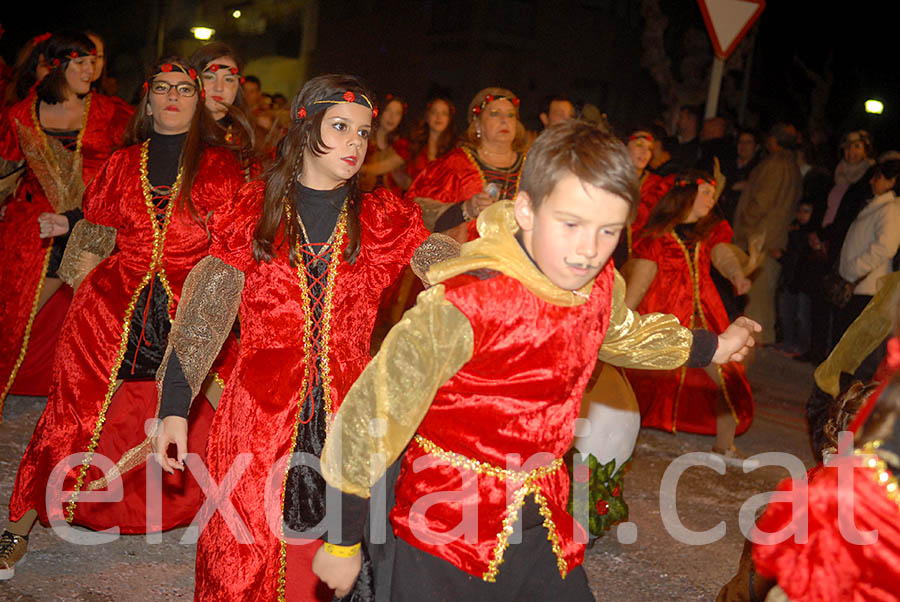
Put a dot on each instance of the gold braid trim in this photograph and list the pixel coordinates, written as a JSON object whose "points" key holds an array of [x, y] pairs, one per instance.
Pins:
{"points": [[698, 310], [882, 474], [434, 249], [528, 479], [86, 239], [337, 242], [58, 170], [27, 336], [155, 268]]}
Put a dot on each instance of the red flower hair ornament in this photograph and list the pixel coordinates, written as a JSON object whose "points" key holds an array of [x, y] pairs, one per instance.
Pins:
{"points": [[335, 99]]}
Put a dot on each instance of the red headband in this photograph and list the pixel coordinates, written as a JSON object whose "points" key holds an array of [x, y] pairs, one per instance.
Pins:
{"points": [[640, 135], [168, 68], [699, 181], [336, 99], [233, 70], [41, 38], [491, 98]]}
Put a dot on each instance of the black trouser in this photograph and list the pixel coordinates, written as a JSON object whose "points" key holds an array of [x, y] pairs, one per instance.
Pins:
{"points": [[528, 574]]}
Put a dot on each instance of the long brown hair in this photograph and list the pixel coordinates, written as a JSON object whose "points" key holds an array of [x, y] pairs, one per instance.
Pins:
{"points": [[676, 205], [236, 117], [418, 139], [202, 133], [281, 177]]}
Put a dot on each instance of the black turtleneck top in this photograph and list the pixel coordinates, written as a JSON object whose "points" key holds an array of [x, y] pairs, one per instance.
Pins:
{"points": [[149, 331]]}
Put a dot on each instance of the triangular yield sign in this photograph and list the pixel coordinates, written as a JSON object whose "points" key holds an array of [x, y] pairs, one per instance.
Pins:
{"points": [[728, 21]]}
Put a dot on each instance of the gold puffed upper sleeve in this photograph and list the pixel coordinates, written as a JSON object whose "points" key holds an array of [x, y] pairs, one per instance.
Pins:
{"points": [[385, 406], [651, 341], [88, 244], [209, 304]]}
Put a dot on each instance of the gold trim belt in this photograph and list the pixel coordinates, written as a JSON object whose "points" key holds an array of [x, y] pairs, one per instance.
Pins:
{"points": [[477, 466], [528, 479]]}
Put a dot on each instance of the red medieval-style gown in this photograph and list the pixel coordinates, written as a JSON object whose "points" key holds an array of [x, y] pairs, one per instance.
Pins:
{"points": [[305, 338], [684, 399], [459, 175], [28, 337], [86, 413], [653, 188]]}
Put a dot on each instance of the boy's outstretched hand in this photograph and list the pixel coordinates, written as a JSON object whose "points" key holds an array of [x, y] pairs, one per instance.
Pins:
{"points": [[736, 341], [338, 573]]}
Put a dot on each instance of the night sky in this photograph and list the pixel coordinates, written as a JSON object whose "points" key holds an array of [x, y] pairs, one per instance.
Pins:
{"points": [[859, 40]]}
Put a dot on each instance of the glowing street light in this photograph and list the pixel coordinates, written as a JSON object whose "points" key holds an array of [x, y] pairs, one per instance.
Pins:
{"points": [[236, 14], [202, 33], [874, 106]]}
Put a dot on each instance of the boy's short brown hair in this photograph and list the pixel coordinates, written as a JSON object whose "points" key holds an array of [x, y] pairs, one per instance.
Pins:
{"points": [[587, 152]]}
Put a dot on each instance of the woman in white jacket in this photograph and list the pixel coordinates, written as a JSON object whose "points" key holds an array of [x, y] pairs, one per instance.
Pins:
{"points": [[871, 242]]}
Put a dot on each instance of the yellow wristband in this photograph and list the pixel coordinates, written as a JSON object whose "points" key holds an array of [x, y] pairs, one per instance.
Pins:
{"points": [[341, 551]]}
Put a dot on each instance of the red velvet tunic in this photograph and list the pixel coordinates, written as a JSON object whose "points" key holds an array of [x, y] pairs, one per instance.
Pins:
{"points": [[258, 412], [22, 251], [684, 399], [494, 407], [93, 340], [453, 178]]}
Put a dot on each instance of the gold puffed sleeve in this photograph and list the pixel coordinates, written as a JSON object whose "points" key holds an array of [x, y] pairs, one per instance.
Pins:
{"points": [[88, 245], [386, 404], [651, 341], [209, 303], [866, 332], [434, 249]]}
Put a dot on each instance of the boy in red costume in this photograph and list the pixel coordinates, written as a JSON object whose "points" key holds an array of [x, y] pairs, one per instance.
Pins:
{"points": [[483, 380]]}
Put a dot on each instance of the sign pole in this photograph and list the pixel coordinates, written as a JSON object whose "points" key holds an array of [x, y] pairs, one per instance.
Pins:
{"points": [[715, 84]]}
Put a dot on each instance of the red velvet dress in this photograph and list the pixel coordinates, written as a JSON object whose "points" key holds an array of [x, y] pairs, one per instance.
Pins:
{"points": [[83, 412], [23, 254], [456, 177], [493, 407], [653, 188], [684, 399], [417, 164], [261, 410]]}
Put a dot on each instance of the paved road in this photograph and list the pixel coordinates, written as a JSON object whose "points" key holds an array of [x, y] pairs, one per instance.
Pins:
{"points": [[655, 567]]}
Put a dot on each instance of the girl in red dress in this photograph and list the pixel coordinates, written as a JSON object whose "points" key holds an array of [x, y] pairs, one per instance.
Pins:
{"points": [[305, 256], [149, 203], [486, 168], [433, 137], [65, 134], [220, 68], [388, 151], [681, 241]]}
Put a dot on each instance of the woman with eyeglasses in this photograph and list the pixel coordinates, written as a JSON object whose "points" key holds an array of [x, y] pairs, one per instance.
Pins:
{"points": [[64, 133], [146, 212]]}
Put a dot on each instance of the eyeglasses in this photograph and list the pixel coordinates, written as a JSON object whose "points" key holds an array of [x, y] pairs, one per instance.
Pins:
{"points": [[162, 88]]}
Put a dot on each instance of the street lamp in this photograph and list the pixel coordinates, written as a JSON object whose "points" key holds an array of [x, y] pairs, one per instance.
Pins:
{"points": [[202, 33], [874, 106]]}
